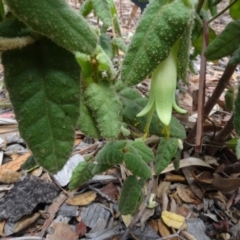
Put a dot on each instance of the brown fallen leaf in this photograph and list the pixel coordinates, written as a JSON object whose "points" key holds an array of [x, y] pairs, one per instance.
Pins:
{"points": [[154, 225], [2, 225], [181, 190], [15, 164], [82, 199], [163, 229], [174, 220], [163, 187], [225, 184], [204, 178], [62, 231], [175, 178], [81, 229], [9, 176], [25, 222], [111, 191]]}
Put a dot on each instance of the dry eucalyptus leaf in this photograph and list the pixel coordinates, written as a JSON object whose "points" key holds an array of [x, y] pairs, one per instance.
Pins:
{"points": [[9, 176], [225, 184], [181, 190], [25, 222], [174, 220], [2, 224], [162, 228], [127, 219], [82, 199], [62, 231], [163, 187]]}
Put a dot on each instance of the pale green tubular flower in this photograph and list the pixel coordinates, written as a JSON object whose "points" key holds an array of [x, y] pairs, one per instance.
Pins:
{"points": [[162, 91]]}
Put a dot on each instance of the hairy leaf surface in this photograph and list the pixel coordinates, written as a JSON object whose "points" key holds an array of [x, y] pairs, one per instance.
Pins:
{"points": [[162, 23], [167, 149], [56, 20], [106, 108], [43, 84], [226, 43], [81, 174], [131, 196]]}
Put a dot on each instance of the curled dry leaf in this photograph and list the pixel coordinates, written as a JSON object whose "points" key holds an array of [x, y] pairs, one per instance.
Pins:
{"points": [[2, 225], [174, 220], [163, 187], [175, 178], [188, 236], [225, 184], [204, 178], [25, 222], [82, 199], [181, 190]]}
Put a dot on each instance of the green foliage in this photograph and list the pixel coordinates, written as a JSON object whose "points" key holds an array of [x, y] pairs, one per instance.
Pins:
{"points": [[226, 43], [106, 108], [166, 151], [133, 103], [118, 42], [106, 44], [236, 120], [229, 99], [56, 20], [157, 31], [43, 83], [81, 174], [2, 11], [235, 10], [86, 8], [102, 10], [235, 59], [131, 196]]}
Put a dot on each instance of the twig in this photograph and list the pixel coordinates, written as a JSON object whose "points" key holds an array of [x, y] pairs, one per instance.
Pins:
{"points": [[201, 95], [223, 81]]}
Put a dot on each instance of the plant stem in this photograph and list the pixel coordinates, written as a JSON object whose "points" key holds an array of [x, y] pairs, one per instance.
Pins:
{"points": [[224, 10], [223, 81]]}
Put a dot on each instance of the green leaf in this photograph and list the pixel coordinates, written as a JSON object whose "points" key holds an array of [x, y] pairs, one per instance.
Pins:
{"points": [[235, 10], [197, 42], [143, 150], [236, 120], [120, 44], [133, 103], [99, 168], [14, 34], [112, 153], [2, 11], [86, 122], [84, 61], [102, 10], [57, 21], [86, 8], [232, 143], [226, 43], [81, 174], [106, 108], [235, 59], [29, 163], [114, 14], [136, 165], [104, 62], [167, 149], [238, 149], [106, 45], [43, 83], [162, 23], [131, 196]]}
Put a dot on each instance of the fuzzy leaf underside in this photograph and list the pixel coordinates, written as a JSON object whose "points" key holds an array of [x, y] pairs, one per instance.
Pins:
{"points": [[236, 120], [144, 151], [102, 10], [161, 25], [43, 83], [86, 8], [133, 103], [136, 165], [81, 174], [226, 43], [167, 149], [86, 122], [106, 45], [131, 196], [112, 153], [106, 108], [56, 20]]}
